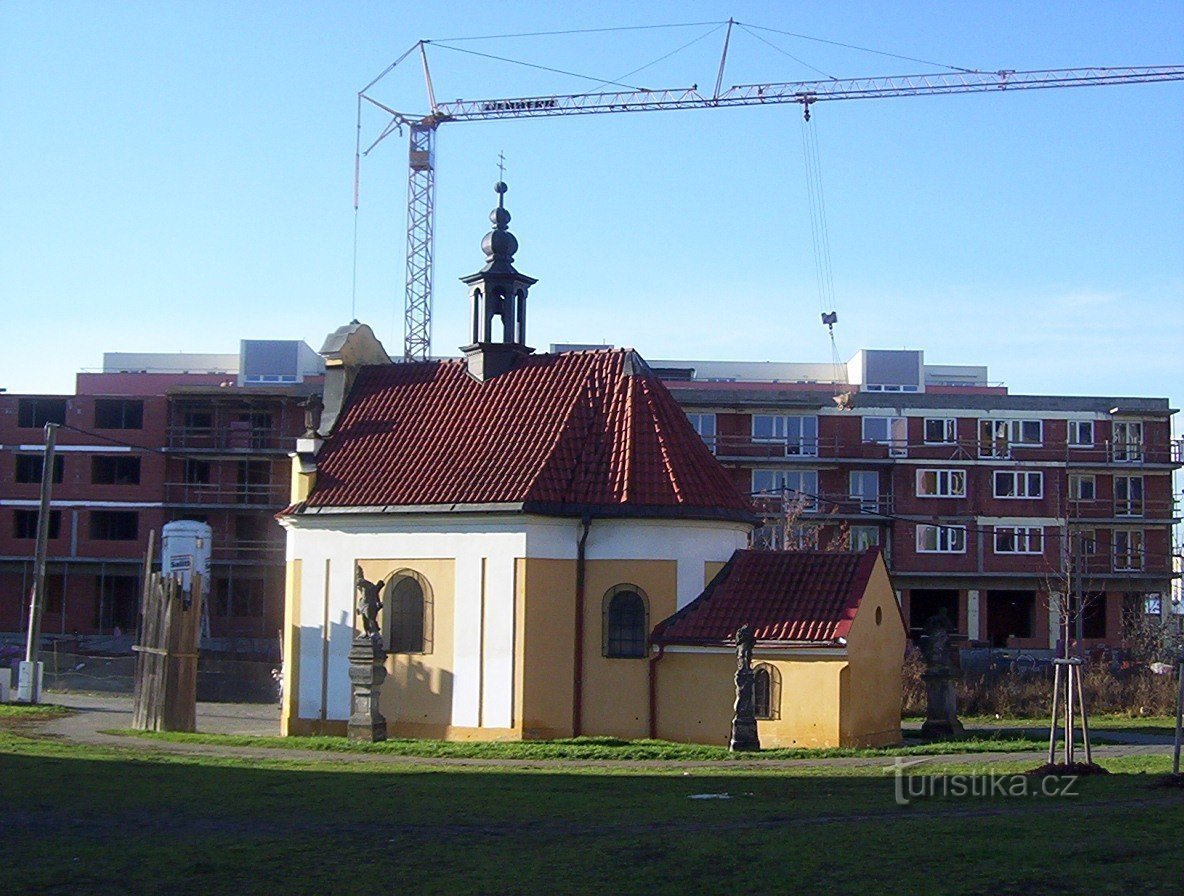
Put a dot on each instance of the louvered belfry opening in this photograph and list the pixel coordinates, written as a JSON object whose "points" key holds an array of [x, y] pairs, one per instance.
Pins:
{"points": [[497, 293]]}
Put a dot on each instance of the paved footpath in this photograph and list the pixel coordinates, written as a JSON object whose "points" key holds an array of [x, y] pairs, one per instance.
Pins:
{"points": [[95, 713]]}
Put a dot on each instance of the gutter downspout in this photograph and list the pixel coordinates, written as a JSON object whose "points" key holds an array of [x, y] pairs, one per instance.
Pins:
{"points": [[577, 684], [654, 690]]}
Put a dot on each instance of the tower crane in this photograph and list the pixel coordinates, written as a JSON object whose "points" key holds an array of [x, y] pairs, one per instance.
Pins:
{"points": [[421, 182]]}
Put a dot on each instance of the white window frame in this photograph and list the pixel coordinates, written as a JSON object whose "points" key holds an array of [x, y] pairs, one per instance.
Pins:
{"points": [[1126, 503], [780, 486], [946, 539], [698, 421], [1022, 485], [1076, 430], [1023, 540], [1129, 549], [868, 503], [803, 443], [1004, 433], [895, 435], [864, 537], [1077, 493], [1126, 443], [949, 430], [947, 483]]}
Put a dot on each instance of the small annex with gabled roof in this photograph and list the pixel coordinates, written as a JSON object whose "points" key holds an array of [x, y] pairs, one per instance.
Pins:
{"points": [[829, 647]]}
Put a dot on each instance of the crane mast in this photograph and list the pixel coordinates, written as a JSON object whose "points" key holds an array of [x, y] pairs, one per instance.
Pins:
{"points": [[422, 176]]}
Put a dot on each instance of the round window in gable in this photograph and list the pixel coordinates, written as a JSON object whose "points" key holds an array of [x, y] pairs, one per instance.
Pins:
{"points": [[879, 615]]}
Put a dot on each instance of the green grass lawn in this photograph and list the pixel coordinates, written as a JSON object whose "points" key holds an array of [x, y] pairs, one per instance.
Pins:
{"points": [[593, 749], [111, 820], [35, 712]]}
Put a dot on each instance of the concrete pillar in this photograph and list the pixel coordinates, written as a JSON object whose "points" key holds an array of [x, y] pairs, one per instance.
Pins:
{"points": [[1054, 619], [972, 615]]}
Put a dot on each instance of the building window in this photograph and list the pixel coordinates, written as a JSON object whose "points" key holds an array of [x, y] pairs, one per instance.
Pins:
{"points": [[1128, 549], [119, 413], [408, 601], [117, 603], [239, 598], [114, 525], [29, 466], [1019, 540], [1081, 433], [801, 485], [1010, 484], [941, 483], [865, 488], [1082, 487], [1091, 609], [890, 431], [626, 622], [24, 523], [704, 425], [941, 539], [798, 433], [34, 413], [1083, 542], [766, 692], [1128, 495], [941, 430], [199, 420], [1127, 441], [119, 469], [996, 437], [864, 537], [196, 472]]}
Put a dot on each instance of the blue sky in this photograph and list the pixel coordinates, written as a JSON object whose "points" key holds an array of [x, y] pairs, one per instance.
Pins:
{"points": [[178, 176]]}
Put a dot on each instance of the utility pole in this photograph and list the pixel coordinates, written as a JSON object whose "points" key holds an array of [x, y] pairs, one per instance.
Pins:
{"points": [[30, 686]]}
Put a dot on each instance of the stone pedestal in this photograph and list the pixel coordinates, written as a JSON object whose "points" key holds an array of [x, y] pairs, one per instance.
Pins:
{"points": [[941, 713], [366, 675], [744, 735]]}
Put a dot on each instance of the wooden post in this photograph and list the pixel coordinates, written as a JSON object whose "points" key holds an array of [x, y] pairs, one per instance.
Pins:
{"points": [[1052, 728], [1068, 714], [37, 604], [1089, 756], [1179, 716], [166, 671]]}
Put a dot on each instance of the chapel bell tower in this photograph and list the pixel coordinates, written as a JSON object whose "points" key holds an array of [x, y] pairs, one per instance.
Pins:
{"points": [[497, 292]]}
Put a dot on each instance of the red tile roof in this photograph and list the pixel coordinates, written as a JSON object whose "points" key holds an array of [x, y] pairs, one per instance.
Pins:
{"points": [[579, 432], [809, 597]]}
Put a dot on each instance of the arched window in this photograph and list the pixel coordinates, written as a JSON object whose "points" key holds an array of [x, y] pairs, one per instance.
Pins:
{"points": [[626, 621], [408, 604], [766, 692]]}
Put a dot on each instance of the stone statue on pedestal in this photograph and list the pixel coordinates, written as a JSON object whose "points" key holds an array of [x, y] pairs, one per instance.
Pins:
{"points": [[941, 714], [367, 671], [744, 736]]}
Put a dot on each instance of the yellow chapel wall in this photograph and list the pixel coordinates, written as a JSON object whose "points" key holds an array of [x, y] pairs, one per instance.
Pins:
{"points": [[872, 683], [291, 647], [616, 689], [417, 695], [544, 660], [697, 692]]}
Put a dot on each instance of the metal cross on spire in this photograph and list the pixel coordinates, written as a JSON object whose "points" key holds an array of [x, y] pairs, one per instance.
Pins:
{"points": [[501, 165]]}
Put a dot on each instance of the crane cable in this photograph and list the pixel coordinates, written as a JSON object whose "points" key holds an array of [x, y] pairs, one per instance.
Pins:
{"points": [[820, 239]]}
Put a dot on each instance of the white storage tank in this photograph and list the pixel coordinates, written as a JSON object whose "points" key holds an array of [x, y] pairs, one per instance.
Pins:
{"points": [[184, 550]]}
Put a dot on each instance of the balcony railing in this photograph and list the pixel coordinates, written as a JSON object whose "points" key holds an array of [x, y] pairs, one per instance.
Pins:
{"points": [[747, 447], [264, 550], [232, 437], [776, 504], [265, 494], [1125, 508]]}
